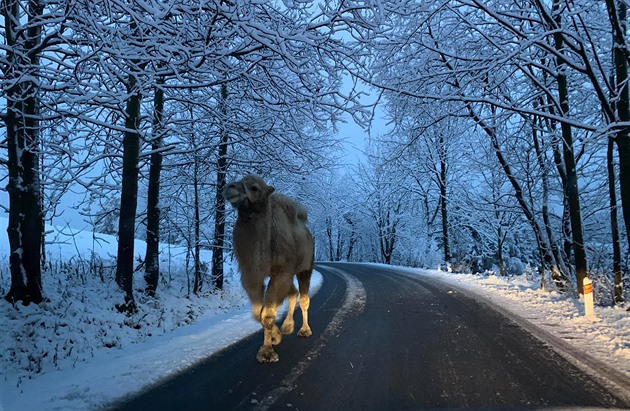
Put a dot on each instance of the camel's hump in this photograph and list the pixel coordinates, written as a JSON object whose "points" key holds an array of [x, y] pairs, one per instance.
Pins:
{"points": [[291, 207]]}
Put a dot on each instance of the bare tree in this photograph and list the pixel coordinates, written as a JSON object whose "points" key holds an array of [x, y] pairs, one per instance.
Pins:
{"points": [[218, 244], [152, 259], [23, 83], [617, 13]]}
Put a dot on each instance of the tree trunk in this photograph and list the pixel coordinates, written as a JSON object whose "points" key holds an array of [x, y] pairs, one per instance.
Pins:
{"points": [[444, 203], [499, 231], [614, 228], [500, 251], [571, 190], [152, 256], [197, 223], [129, 197], [352, 238], [25, 226], [329, 234], [42, 196], [382, 240], [617, 13], [387, 236], [219, 219], [567, 245]]}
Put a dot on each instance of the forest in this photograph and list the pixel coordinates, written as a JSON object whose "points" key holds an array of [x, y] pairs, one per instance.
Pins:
{"points": [[507, 149]]}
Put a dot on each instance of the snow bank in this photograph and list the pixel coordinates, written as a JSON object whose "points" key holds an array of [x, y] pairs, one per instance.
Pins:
{"points": [[113, 373], [75, 351]]}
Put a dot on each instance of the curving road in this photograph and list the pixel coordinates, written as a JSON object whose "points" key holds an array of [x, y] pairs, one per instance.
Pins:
{"points": [[384, 340]]}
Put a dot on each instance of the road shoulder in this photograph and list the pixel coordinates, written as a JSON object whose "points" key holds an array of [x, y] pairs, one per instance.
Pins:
{"points": [[606, 375]]}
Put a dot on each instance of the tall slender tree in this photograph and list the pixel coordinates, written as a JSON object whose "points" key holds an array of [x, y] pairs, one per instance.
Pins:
{"points": [[21, 86], [443, 185], [152, 258], [571, 187], [218, 243], [617, 13], [129, 195]]}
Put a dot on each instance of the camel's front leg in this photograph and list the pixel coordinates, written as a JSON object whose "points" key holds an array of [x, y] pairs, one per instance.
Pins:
{"points": [[305, 302], [304, 282], [255, 288], [266, 353], [276, 292]]}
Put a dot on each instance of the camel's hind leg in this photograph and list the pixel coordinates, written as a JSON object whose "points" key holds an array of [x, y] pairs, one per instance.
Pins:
{"points": [[304, 282], [277, 291], [288, 325]]}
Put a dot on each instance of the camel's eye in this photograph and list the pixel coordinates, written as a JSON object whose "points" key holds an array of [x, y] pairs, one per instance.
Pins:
{"points": [[254, 188]]}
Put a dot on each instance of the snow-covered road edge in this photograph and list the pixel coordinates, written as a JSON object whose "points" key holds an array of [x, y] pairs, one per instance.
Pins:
{"points": [[610, 377], [113, 374]]}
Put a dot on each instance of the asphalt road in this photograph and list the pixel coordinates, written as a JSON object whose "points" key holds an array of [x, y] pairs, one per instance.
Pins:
{"points": [[386, 341]]}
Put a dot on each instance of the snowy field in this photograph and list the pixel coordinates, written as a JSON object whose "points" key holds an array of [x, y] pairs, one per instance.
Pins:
{"points": [[76, 352]]}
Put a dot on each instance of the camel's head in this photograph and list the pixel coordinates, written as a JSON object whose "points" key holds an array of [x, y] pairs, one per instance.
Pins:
{"points": [[249, 193]]}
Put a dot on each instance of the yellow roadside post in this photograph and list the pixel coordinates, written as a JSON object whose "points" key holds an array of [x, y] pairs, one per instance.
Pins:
{"points": [[589, 304]]}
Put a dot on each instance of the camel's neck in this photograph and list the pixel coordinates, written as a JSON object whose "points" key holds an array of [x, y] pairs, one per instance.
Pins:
{"points": [[249, 215], [252, 237], [258, 225]]}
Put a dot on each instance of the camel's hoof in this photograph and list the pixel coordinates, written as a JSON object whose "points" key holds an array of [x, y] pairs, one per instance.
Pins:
{"points": [[305, 332], [287, 328], [267, 354], [276, 337]]}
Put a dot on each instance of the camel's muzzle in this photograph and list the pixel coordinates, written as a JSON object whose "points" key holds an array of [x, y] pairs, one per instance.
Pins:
{"points": [[232, 194]]}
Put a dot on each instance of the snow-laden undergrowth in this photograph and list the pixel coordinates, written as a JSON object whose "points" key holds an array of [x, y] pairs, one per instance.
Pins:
{"points": [[79, 316]]}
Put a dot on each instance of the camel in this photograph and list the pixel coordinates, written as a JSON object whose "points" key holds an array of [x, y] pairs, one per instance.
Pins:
{"points": [[271, 239]]}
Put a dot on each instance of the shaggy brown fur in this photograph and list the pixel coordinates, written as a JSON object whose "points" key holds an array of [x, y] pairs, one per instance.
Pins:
{"points": [[271, 240]]}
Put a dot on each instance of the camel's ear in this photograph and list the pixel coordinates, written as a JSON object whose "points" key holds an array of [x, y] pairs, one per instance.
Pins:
{"points": [[270, 190]]}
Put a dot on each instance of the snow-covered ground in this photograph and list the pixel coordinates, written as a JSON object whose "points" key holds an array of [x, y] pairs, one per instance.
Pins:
{"points": [[113, 372], [76, 352]]}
